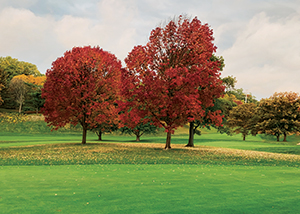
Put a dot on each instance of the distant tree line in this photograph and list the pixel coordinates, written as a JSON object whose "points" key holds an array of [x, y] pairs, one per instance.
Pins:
{"points": [[277, 115], [20, 85]]}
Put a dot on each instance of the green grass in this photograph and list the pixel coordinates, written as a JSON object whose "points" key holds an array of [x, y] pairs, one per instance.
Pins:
{"points": [[51, 172], [258, 143], [149, 189], [132, 153]]}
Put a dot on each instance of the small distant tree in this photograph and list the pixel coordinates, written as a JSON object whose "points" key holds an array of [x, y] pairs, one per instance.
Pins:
{"points": [[139, 130], [242, 119], [229, 83], [279, 115], [132, 123], [230, 89], [18, 90], [102, 128], [82, 87]]}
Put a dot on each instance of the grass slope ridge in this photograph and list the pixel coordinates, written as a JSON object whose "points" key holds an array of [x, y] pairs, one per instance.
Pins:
{"points": [[138, 153]]}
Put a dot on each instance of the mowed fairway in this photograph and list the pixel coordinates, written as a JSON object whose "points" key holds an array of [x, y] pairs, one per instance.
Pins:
{"points": [[149, 189], [56, 174]]}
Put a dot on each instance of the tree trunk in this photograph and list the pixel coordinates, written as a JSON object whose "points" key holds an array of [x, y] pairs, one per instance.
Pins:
{"points": [[20, 107], [84, 128], [138, 134], [168, 141], [277, 137], [137, 138], [284, 137], [191, 135], [99, 135], [244, 137]]}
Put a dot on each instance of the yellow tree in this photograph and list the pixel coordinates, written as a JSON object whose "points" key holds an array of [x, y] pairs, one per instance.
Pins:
{"points": [[38, 80], [279, 114], [242, 119]]}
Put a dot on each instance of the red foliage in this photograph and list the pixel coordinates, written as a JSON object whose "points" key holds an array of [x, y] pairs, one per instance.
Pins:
{"points": [[82, 87], [130, 118], [238, 102], [172, 79]]}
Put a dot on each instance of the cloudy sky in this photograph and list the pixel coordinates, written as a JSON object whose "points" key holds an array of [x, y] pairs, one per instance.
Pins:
{"points": [[259, 39]]}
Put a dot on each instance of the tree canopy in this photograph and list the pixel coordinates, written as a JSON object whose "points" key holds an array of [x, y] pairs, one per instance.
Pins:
{"points": [[131, 123], [36, 80], [171, 80], [82, 87], [279, 114], [13, 67], [242, 119]]}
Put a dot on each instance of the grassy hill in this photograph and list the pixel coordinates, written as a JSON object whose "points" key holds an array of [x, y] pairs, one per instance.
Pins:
{"points": [[51, 172]]}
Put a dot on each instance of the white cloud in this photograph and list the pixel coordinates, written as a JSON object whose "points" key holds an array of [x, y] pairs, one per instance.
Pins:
{"points": [[76, 31], [42, 39], [265, 56], [260, 48], [26, 36]]}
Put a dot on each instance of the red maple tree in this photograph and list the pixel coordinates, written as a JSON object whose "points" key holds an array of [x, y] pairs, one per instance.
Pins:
{"points": [[82, 87], [171, 79]]}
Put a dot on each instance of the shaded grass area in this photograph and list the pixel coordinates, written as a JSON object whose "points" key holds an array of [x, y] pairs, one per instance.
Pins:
{"points": [[142, 153], [149, 189]]}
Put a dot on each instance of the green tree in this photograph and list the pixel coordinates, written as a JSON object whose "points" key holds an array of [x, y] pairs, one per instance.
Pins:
{"points": [[229, 83], [139, 130], [242, 119], [18, 90], [11, 67], [34, 100], [223, 105], [102, 128], [230, 89], [279, 115], [243, 96]]}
